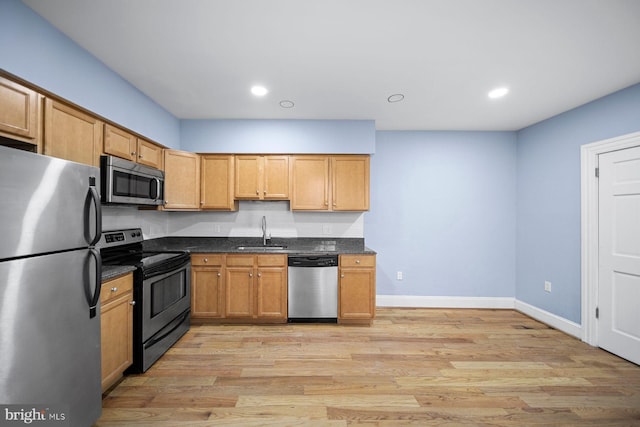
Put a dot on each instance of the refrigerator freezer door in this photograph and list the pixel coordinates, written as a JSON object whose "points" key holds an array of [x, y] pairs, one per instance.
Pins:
{"points": [[48, 204], [50, 345]]}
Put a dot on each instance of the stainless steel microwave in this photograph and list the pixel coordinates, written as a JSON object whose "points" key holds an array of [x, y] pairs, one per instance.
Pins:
{"points": [[126, 182]]}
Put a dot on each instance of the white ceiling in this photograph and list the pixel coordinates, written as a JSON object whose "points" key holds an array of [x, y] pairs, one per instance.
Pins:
{"points": [[341, 59]]}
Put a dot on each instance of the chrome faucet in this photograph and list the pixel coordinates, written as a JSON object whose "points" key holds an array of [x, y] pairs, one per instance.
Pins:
{"points": [[264, 230]]}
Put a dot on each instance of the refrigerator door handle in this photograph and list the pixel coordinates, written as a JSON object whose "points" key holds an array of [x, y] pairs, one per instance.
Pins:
{"points": [[93, 303], [95, 198]]}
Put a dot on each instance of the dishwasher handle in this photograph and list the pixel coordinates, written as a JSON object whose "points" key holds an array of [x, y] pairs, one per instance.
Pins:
{"points": [[313, 261]]}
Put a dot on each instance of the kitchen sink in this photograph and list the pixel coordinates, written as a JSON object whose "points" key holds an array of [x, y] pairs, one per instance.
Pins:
{"points": [[268, 248]]}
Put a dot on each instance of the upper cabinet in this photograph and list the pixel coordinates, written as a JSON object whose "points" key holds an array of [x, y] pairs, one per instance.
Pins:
{"points": [[216, 182], [120, 143], [71, 134], [20, 113], [262, 177], [330, 183], [181, 180]]}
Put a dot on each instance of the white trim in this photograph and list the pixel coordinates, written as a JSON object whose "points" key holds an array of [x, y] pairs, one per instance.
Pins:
{"points": [[589, 227], [557, 322], [538, 314], [443, 302]]}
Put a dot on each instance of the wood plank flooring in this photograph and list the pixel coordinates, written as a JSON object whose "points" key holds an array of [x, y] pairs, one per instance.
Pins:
{"points": [[412, 367]]}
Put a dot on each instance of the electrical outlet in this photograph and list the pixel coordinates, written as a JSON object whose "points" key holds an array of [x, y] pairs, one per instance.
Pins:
{"points": [[547, 286], [399, 275], [216, 228], [326, 229]]}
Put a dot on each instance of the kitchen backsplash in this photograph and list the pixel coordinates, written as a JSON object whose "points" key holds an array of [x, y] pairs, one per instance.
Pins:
{"points": [[246, 222]]}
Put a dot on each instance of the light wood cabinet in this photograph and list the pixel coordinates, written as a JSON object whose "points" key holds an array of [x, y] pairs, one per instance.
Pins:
{"points": [[256, 287], [120, 143], [20, 113], [116, 328], [216, 184], [262, 177], [330, 183], [71, 134], [357, 288], [150, 154], [207, 286], [182, 180]]}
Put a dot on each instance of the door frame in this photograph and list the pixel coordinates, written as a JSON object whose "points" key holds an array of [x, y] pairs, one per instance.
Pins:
{"points": [[589, 227]]}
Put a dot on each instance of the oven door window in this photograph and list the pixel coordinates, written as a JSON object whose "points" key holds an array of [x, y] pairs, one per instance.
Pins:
{"points": [[167, 292], [130, 185]]}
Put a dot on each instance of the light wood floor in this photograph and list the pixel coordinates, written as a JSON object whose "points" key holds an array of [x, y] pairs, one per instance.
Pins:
{"points": [[413, 366]]}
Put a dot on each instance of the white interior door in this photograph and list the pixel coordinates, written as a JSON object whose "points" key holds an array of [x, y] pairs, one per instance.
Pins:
{"points": [[619, 253]]}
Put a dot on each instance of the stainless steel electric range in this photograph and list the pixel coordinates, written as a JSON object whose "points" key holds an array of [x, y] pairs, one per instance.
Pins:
{"points": [[161, 290]]}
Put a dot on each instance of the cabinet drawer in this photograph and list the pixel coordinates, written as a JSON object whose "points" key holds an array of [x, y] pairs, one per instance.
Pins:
{"points": [[357, 260], [207, 259], [116, 287], [240, 260], [272, 260]]}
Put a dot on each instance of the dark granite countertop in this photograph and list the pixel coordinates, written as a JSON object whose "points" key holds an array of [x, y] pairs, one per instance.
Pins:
{"points": [[113, 271], [292, 246]]}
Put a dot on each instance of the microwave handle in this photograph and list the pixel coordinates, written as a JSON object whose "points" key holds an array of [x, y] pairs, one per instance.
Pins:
{"points": [[155, 196]]}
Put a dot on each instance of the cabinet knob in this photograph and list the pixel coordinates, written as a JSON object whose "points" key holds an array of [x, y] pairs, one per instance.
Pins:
{"points": [[140, 155], [250, 274], [206, 260], [357, 261], [342, 275], [114, 289], [132, 303], [258, 192], [219, 274], [259, 274], [133, 153]]}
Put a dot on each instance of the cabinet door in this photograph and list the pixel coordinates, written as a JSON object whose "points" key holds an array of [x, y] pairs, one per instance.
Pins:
{"points": [[276, 177], [248, 182], [119, 143], [181, 179], [207, 292], [216, 187], [356, 293], [19, 111], [71, 134], [116, 328], [310, 183], [240, 299], [350, 178], [149, 154], [272, 293]]}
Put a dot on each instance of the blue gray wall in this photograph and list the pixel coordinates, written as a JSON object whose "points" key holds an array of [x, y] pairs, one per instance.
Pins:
{"points": [[548, 216], [279, 136], [443, 210], [34, 50]]}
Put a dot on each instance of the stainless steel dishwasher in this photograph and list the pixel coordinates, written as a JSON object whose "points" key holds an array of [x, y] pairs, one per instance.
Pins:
{"points": [[313, 288]]}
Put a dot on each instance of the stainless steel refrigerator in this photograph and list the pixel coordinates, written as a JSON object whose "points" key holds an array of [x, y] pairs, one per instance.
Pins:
{"points": [[49, 289]]}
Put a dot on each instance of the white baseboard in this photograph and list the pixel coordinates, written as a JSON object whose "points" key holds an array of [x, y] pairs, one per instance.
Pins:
{"points": [[557, 322]]}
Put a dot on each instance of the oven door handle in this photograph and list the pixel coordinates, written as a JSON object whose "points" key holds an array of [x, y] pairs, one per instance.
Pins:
{"points": [[175, 323]]}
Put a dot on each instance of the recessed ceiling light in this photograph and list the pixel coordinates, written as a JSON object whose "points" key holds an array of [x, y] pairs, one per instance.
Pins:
{"points": [[498, 92], [396, 97], [259, 90], [286, 104]]}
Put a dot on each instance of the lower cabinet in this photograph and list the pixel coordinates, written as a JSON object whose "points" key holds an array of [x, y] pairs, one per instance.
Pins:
{"points": [[239, 287], [357, 288], [116, 318], [207, 286]]}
